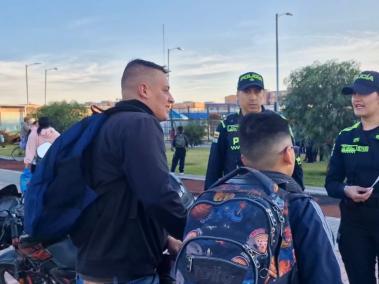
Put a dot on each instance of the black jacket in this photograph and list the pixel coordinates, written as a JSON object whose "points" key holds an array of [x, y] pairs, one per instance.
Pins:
{"points": [[354, 161], [124, 232], [225, 153]]}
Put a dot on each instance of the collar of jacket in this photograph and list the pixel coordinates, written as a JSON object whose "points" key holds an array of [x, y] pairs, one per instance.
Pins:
{"points": [[283, 181], [135, 103], [240, 112]]}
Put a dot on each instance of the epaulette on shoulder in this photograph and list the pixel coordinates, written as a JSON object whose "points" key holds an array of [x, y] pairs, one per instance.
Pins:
{"points": [[347, 129], [229, 117]]}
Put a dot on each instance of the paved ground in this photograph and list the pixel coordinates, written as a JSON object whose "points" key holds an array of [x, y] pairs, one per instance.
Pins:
{"points": [[195, 183]]}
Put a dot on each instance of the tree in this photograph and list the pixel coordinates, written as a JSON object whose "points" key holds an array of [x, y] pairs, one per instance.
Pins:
{"points": [[314, 105], [194, 133], [63, 114]]}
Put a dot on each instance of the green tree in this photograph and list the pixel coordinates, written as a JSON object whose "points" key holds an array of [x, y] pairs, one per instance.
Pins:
{"points": [[63, 114], [314, 104], [194, 133]]}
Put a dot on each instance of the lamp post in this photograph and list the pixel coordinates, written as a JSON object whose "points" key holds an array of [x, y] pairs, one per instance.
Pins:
{"points": [[168, 77], [55, 68], [168, 58], [26, 79], [277, 57]]}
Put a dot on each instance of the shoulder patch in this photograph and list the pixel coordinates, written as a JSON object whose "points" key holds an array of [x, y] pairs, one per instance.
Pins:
{"points": [[356, 125], [216, 135]]}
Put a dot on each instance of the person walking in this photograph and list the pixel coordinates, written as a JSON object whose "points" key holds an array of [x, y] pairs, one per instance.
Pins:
{"points": [[180, 144], [352, 177], [40, 134]]}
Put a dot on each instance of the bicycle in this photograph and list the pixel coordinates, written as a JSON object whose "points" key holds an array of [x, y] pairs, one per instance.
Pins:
{"points": [[17, 152], [28, 261]]}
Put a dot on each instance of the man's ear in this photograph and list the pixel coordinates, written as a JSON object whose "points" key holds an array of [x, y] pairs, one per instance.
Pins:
{"points": [[143, 90], [288, 155]]}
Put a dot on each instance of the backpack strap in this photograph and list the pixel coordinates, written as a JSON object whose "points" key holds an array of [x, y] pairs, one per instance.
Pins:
{"points": [[108, 112], [249, 173]]}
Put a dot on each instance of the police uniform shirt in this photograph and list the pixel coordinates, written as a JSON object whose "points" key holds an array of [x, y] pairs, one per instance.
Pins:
{"points": [[354, 160], [225, 153]]}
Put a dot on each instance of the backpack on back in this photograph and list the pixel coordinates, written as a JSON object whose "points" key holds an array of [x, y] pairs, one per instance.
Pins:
{"points": [[58, 192], [180, 141], [238, 232]]}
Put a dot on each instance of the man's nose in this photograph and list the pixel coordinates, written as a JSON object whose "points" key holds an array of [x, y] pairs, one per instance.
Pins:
{"points": [[171, 99]]}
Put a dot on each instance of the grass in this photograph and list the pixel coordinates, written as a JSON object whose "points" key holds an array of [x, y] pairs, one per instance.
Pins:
{"points": [[7, 150], [197, 160]]}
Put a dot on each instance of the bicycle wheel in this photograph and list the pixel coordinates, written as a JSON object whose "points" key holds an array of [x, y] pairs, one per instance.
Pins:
{"points": [[7, 274], [17, 152]]}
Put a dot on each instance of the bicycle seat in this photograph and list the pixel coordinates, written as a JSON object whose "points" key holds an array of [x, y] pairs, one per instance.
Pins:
{"points": [[9, 190], [28, 241], [64, 253]]}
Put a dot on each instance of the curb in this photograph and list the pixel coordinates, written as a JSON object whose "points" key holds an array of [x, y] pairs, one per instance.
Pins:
{"points": [[312, 190]]}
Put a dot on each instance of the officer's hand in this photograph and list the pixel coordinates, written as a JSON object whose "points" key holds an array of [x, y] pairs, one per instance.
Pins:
{"points": [[357, 193], [173, 245]]}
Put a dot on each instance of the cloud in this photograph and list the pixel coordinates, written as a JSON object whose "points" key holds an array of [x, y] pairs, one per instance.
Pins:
{"points": [[76, 79], [207, 75], [358, 46], [82, 22]]}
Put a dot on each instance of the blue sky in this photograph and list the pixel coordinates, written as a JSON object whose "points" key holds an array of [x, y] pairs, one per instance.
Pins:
{"points": [[90, 43]]}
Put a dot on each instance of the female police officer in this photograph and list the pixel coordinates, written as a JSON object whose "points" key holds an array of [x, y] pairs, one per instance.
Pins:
{"points": [[352, 172]]}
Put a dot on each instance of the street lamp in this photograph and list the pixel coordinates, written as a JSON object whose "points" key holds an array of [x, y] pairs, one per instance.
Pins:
{"points": [[168, 77], [277, 58], [26, 79], [168, 58], [55, 68]]}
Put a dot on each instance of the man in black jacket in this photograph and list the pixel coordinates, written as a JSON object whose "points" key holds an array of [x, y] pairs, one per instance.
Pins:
{"points": [[122, 235], [225, 154]]}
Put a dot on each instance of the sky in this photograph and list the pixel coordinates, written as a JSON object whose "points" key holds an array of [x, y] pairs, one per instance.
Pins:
{"points": [[90, 42]]}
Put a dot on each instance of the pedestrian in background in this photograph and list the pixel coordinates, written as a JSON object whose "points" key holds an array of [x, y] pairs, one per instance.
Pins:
{"points": [[179, 144], [42, 133]]}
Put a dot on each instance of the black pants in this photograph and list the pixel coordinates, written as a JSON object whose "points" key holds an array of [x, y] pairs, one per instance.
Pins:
{"points": [[179, 156], [358, 242]]}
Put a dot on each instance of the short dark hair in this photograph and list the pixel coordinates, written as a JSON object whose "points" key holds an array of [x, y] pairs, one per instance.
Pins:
{"points": [[43, 122], [133, 66], [180, 129], [260, 136]]}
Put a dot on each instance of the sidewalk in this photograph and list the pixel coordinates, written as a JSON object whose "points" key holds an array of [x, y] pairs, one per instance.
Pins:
{"points": [[8, 177]]}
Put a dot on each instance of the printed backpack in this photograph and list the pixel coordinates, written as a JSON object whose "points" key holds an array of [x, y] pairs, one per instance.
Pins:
{"points": [[58, 192], [180, 141], [238, 232]]}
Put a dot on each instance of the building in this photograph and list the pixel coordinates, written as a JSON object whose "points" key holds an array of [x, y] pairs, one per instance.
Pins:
{"points": [[103, 104], [271, 97], [11, 116], [232, 100]]}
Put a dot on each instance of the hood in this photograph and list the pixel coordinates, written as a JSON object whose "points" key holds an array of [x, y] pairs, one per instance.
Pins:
{"points": [[48, 133]]}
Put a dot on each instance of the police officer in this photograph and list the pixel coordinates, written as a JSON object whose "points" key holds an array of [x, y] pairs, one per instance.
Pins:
{"points": [[352, 173], [225, 150]]}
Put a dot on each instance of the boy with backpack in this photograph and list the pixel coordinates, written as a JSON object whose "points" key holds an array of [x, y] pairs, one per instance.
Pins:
{"points": [[258, 226], [180, 143]]}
